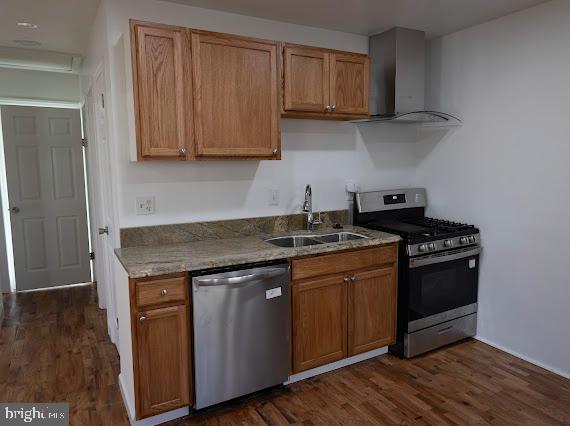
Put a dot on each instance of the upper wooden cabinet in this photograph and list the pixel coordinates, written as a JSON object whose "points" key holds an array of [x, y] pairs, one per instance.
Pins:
{"points": [[204, 95], [235, 96], [162, 87], [321, 83], [350, 83], [306, 74]]}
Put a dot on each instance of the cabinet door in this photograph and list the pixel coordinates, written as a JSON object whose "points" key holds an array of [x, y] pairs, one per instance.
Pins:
{"points": [[162, 87], [163, 367], [235, 96], [319, 322], [306, 79], [371, 310], [350, 75]]}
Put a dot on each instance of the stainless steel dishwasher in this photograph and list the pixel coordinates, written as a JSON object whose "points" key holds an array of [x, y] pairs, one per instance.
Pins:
{"points": [[241, 332]]}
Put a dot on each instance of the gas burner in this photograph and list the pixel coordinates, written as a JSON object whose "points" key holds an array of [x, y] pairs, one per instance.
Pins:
{"points": [[440, 225]]}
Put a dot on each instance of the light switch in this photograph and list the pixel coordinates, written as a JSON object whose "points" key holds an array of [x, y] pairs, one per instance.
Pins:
{"points": [[273, 197], [145, 205]]}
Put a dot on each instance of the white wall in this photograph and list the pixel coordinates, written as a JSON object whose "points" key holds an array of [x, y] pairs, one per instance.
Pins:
{"points": [[39, 85], [507, 170], [325, 154]]}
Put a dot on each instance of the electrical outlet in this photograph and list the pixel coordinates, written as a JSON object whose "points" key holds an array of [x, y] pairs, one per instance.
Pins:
{"points": [[145, 205], [273, 197]]}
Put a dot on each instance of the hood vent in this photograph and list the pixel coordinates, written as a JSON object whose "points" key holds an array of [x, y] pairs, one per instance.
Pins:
{"points": [[398, 58]]}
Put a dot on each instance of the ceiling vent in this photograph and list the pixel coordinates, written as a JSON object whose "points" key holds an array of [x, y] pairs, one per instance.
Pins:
{"points": [[40, 60]]}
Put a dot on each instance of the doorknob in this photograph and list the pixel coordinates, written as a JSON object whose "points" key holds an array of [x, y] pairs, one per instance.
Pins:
{"points": [[15, 209], [104, 230]]}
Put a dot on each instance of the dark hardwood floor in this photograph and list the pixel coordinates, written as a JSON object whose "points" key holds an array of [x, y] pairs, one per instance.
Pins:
{"points": [[54, 347]]}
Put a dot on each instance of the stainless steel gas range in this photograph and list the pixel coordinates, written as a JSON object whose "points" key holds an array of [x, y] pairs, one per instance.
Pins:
{"points": [[438, 269]]}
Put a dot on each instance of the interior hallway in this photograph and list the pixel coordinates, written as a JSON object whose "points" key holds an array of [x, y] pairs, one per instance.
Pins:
{"points": [[54, 347]]}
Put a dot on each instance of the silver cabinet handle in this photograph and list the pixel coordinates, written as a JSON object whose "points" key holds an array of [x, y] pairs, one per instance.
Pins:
{"points": [[328, 108], [333, 108], [163, 292], [104, 230], [142, 317], [15, 209], [182, 152]]}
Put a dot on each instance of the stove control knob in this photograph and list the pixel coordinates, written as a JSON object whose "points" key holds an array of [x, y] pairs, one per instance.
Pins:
{"points": [[432, 247], [472, 239], [463, 240], [448, 243], [422, 248]]}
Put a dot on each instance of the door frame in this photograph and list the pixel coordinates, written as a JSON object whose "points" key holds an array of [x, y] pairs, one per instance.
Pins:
{"points": [[105, 270]]}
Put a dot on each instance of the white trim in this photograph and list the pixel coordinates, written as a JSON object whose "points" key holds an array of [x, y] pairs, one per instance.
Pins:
{"points": [[129, 404], [149, 421], [57, 287], [41, 103], [6, 249], [336, 365], [524, 357]]}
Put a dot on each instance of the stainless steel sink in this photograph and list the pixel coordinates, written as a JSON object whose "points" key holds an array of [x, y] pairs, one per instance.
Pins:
{"points": [[311, 240], [294, 241], [340, 237]]}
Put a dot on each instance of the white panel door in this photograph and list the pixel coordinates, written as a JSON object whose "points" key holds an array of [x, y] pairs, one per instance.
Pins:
{"points": [[46, 189], [106, 241]]}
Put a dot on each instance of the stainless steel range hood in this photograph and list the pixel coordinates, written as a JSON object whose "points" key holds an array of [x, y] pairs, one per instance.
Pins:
{"points": [[397, 82]]}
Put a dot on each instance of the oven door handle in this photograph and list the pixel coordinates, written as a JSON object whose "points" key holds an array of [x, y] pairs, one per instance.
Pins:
{"points": [[430, 260]]}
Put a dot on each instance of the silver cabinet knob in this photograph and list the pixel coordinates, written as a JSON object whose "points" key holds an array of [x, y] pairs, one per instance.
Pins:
{"points": [[275, 151], [333, 108], [182, 152], [163, 292], [142, 317], [104, 230], [328, 108], [346, 279], [15, 209], [353, 278]]}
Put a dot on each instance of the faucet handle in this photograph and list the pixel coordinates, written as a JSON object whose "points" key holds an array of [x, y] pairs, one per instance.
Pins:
{"points": [[318, 221]]}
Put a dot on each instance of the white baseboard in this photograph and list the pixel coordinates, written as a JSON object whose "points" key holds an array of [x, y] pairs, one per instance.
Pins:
{"points": [[524, 357], [129, 403], [336, 365], [149, 421]]}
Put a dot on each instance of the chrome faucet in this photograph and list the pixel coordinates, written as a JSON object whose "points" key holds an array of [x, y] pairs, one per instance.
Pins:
{"points": [[308, 208]]}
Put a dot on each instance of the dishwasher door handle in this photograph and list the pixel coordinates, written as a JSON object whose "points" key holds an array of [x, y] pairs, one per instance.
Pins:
{"points": [[243, 279]]}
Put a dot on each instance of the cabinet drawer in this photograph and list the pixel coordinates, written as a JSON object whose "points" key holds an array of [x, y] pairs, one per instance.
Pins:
{"points": [[161, 291], [342, 262]]}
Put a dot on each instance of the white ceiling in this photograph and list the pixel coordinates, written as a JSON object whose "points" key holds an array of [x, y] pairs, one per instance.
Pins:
{"points": [[435, 17], [63, 25]]}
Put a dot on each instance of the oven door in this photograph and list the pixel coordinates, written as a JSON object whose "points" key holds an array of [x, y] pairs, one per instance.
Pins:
{"points": [[442, 287]]}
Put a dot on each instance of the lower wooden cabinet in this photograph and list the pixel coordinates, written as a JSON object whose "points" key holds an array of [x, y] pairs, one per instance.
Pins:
{"points": [[319, 318], [371, 309], [161, 345], [343, 314]]}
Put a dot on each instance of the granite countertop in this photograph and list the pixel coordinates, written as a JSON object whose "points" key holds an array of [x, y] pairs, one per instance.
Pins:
{"points": [[199, 255]]}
